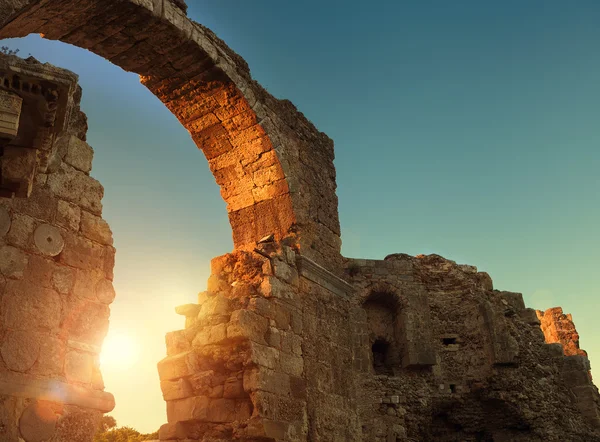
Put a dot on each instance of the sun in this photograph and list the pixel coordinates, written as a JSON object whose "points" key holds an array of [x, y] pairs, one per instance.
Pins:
{"points": [[119, 351]]}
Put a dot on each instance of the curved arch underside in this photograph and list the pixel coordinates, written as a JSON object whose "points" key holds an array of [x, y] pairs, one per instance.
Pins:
{"points": [[274, 168]]}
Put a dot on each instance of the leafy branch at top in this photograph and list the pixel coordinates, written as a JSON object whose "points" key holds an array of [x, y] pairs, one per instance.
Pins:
{"points": [[8, 51]]}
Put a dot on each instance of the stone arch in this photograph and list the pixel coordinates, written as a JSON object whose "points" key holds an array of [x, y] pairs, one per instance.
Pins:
{"points": [[274, 168]]}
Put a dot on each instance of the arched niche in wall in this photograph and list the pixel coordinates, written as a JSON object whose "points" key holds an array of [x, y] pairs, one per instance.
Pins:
{"points": [[399, 327], [385, 331]]}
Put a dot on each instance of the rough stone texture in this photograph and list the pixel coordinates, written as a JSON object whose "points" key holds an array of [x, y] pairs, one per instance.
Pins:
{"points": [[56, 265], [559, 328], [275, 169], [290, 341]]}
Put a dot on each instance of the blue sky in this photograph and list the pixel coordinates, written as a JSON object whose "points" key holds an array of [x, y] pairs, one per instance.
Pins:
{"points": [[467, 129]]}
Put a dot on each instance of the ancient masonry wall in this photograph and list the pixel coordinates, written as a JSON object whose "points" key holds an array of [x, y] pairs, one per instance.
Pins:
{"points": [[56, 269], [473, 363], [281, 349], [291, 341]]}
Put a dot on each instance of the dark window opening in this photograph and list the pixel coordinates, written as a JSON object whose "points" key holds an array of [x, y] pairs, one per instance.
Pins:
{"points": [[381, 363], [448, 341], [452, 388]]}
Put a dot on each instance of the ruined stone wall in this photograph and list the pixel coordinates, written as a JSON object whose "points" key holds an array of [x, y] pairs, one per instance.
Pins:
{"points": [[290, 342], [56, 271], [265, 355], [480, 369], [293, 343], [559, 328]]}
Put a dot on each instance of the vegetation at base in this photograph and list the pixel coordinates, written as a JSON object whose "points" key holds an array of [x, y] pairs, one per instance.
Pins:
{"points": [[109, 432]]}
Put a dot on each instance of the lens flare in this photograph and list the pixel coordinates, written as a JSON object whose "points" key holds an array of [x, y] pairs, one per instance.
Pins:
{"points": [[119, 352]]}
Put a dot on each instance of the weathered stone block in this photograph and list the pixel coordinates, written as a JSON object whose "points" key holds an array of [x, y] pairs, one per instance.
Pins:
{"points": [[105, 292], [285, 272], [245, 324], [529, 315], [178, 366], [85, 284], [79, 367], [291, 343], [77, 187], [188, 310], [215, 305], [177, 342], [21, 311], [41, 270], [262, 379], [12, 262], [5, 221], [177, 389], [79, 154], [273, 287], [20, 350], [264, 356], [515, 300], [21, 231], [51, 359], [260, 427], [291, 364], [82, 253], [234, 388], [41, 204], [63, 279], [221, 410], [68, 215], [505, 348], [576, 363], [85, 321], [555, 350], [271, 309], [95, 228], [196, 407], [210, 335]]}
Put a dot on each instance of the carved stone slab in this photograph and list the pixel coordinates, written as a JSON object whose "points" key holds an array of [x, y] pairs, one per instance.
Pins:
{"points": [[319, 275], [10, 111]]}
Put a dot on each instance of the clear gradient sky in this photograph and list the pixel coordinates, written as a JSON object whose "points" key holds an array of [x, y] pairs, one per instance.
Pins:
{"points": [[468, 129]]}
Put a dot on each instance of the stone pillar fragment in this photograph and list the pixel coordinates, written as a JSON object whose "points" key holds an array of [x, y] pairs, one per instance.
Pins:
{"points": [[505, 348]]}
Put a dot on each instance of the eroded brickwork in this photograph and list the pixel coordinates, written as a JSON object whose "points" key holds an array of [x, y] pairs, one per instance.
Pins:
{"points": [[275, 170], [290, 341], [56, 262]]}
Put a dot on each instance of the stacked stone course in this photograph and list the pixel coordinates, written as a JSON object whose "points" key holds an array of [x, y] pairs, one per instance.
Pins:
{"points": [[56, 260], [236, 371]]}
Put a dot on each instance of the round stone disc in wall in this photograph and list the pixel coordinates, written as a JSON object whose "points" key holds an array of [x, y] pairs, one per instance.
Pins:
{"points": [[4, 221], [48, 240], [38, 422], [19, 351]]}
